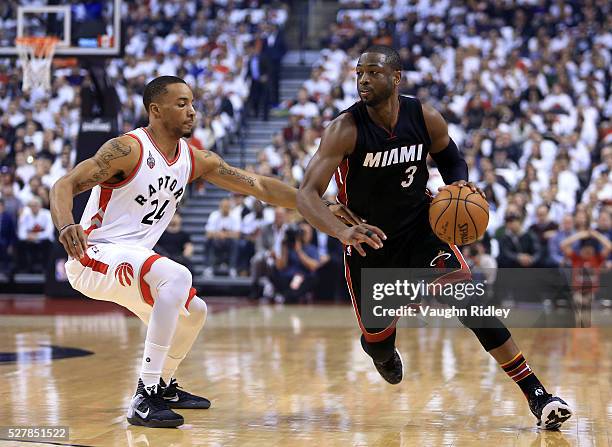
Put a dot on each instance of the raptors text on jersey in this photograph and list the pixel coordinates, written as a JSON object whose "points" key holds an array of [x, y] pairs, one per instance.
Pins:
{"points": [[137, 210]]}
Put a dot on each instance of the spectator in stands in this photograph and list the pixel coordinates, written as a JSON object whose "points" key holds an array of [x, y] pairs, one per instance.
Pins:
{"points": [[239, 204], [176, 244], [267, 248], [304, 107], [12, 204], [222, 234], [295, 268], [604, 223], [555, 251], [330, 275], [250, 231], [517, 248], [544, 229], [482, 264], [582, 220], [274, 47], [606, 163], [294, 130], [317, 86], [258, 72], [588, 261], [8, 238], [35, 232]]}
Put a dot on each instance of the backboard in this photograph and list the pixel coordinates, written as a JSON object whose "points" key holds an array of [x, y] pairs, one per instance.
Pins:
{"points": [[84, 27]]}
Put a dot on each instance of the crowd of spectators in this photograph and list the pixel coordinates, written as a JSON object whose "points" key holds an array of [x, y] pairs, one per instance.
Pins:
{"points": [[210, 44], [286, 259], [525, 86]]}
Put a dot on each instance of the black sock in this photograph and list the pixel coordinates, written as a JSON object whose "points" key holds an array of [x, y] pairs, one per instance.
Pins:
{"points": [[380, 351]]}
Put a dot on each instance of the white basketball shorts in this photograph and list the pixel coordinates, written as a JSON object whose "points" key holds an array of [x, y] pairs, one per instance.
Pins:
{"points": [[115, 272]]}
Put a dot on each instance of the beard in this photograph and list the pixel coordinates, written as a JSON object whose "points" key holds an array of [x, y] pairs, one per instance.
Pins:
{"points": [[380, 97], [187, 134]]}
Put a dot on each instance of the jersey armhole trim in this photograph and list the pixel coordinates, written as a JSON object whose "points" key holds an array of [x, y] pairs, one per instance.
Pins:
{"points": [[130, 177], [192, 160]]}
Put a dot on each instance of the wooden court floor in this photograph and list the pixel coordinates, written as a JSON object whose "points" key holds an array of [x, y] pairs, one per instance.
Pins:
{"points": [[296, 376]]}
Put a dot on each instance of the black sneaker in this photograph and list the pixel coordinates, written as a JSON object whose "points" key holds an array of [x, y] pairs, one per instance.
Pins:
{"points": [[177, 398], [550, 410], [393, 369], [149, 409]]}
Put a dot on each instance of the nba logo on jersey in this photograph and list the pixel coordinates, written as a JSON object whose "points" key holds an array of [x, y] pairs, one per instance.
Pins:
{"points": [[151, 161], [349, 250], [124, 273]]}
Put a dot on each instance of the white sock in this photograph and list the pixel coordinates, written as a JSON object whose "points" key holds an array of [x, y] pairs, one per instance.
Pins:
{"points": [[153, 360]]}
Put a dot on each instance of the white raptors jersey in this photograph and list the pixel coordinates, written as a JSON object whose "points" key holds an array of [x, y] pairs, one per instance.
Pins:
{"points": [[137, 210]]}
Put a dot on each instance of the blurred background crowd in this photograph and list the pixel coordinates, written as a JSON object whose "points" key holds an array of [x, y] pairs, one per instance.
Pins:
{"points": [[525, 86]]}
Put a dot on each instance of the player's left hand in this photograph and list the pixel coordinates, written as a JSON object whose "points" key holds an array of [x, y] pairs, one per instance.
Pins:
{"points": [[344, 214], [462, 183]]}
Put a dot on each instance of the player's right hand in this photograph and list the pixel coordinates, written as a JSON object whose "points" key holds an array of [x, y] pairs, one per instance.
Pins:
{"points": [[74, 240], [362, 233]]}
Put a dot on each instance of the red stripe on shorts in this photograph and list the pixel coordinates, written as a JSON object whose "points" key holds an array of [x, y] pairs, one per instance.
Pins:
{"points": [[96, 266], [371, 337], [144, 286]]}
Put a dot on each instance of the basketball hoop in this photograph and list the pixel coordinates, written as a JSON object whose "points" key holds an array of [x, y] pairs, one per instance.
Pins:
{"points": [[36, 54]]}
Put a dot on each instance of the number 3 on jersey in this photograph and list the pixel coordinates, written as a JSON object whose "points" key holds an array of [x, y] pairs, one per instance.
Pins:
{"points": [[409, 176], [149, 219]]}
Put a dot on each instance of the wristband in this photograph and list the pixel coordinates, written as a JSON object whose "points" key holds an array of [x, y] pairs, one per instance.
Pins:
{"points": [[64, 227]]}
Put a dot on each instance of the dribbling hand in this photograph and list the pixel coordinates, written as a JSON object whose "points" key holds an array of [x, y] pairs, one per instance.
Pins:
{"points": [[74, 240], [362, 233], [462, 183]]}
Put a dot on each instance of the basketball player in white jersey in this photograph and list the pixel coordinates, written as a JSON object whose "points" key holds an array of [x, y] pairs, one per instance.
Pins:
{"points": [[138, 179]]}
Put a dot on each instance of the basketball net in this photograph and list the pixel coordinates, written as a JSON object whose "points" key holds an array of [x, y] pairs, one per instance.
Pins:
{"points": [[36, 54]]}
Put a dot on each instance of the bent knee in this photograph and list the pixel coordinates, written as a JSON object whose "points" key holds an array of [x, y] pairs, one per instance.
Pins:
{"points": [[179, 274], [172, 279]]}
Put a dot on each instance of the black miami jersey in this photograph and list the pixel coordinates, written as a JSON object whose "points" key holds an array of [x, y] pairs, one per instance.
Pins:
{"points": [[384, 179]]}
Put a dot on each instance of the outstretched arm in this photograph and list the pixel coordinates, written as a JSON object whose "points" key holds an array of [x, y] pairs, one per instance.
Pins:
{"points": [[214, 169], [337, 142], [115, 159]]}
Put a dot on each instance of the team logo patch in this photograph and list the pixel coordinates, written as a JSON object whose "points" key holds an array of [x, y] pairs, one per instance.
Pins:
{"points": [[151, 161], [124, 273], [439, 260]]}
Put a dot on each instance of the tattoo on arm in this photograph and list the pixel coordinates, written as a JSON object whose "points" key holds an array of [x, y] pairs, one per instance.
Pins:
{"points": [[224, 169], [111, 150]]}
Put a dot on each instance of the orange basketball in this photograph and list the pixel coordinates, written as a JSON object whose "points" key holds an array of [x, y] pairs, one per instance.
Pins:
{"points": [[459, 216]]}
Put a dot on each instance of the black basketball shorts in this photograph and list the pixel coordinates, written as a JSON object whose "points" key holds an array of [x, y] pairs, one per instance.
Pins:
{"points": [[420, 249]]}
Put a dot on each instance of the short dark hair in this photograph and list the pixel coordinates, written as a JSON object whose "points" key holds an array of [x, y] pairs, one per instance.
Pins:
{"points": [[158, 87], [392, 57]]}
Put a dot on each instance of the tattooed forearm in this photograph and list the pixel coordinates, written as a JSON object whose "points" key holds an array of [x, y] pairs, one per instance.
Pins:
{"points": [[111, 150], [224, 169]]}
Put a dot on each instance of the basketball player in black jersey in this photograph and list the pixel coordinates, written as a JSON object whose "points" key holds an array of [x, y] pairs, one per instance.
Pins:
{"points": [[377, 151]]}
